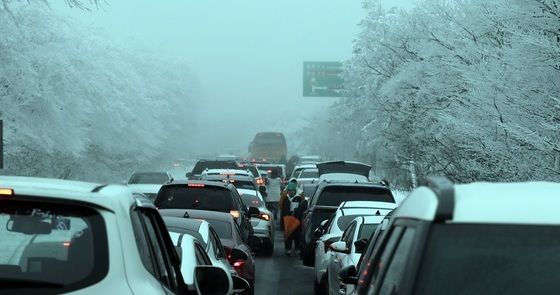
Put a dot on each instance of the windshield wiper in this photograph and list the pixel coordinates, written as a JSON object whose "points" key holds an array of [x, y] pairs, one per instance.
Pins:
{"points": [[15, 283]]}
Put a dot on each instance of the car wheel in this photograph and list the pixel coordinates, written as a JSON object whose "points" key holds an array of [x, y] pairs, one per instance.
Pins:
{"points": [[308, 256], [319, 287], [268, 248]]}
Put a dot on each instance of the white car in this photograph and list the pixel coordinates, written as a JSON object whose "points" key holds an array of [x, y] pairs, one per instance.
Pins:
{"points": [[344, 215], [62, 236], [306, 176], [263, 225], [148, 183], [348, 250], [203, 232], [298, 168]]}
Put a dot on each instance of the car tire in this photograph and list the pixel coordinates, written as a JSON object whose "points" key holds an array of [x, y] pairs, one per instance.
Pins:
{"points": [[308, 256], [319, 287], [268, 249]]}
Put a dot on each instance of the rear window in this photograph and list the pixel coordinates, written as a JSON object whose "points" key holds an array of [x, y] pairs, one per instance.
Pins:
{"points": [[222, 228], [251, 200], [50, 248], [309, 174], [335, 195], [490, 259], [211, 198], [149, 178], [254, 171], [200, 166], [243, 184]]}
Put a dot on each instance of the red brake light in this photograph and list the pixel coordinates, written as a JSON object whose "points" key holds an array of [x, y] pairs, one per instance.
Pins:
{"points": [[238, 264], [195, 184]]}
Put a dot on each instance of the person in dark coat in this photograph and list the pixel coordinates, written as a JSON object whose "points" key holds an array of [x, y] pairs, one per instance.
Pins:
{"points": [[291, 207]]}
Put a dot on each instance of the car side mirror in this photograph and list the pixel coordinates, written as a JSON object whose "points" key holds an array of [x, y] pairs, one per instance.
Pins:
{"points": [[262, 189], [360, 245], [348, 275], [238, 255], [240, 285], [254, 212], [188, 174], [340, 247], [179, 251], [319, 232], [212, 280]]}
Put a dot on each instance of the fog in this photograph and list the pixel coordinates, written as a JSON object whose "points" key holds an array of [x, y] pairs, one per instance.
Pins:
{"points": [[246, 56]]}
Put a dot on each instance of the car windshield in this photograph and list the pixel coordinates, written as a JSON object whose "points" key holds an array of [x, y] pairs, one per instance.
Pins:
{"points": [[335, 195], [51, 246], [202, 165], [490, 259], [149, 178], [251, 200], [222, 228], [343, 222], [211, 198]]}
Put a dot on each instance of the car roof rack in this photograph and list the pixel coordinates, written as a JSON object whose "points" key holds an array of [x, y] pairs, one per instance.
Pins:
{"points": [[445, 192]]}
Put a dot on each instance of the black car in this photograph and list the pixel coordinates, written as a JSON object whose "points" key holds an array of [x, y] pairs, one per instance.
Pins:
{"points": [[202, 165], [207, 195], [328, 196]]}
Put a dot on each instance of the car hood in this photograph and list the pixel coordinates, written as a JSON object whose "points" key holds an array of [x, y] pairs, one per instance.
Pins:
{"points": [[344, 167], [145, 188]]}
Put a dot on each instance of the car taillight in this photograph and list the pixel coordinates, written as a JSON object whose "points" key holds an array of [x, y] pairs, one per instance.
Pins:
{"points": [[264, 216], [260, 181], [238, 265]]}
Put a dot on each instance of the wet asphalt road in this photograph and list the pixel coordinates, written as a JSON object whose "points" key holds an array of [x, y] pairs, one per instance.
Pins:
{"points": [[279, 274]]}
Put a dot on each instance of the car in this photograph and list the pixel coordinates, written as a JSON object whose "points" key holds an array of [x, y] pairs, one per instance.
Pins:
{"points": [[311, 159], [331, 230], [476, 238], [306, 176], [298, 168], [203, 232], [241, 179], [263, 224], [148, 183], [61, 236], [362, 266], [325, 201], [231, 238], [348, 250], [259, 180], [202, 165], [207, 195]]}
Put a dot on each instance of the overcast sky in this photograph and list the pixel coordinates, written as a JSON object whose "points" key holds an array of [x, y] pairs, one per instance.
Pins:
{"points": [[246, 54]]}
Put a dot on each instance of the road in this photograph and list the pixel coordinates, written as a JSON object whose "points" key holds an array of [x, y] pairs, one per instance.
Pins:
{"points": [[279, 274]]}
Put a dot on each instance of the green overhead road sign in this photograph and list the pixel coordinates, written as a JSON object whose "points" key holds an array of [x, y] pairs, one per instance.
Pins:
{"points": [[322, 79]]}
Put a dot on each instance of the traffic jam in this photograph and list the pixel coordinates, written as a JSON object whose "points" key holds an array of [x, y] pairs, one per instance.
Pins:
{"points": [[326, 147]]}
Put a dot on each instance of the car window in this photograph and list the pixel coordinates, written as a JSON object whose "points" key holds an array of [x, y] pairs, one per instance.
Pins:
{"points": [[163, 261], [53, 243], [211, 198], [201, 256], [366, 231], [396, 269], [349, 235], [217, 244], [250, 200], [149, 178], [335, 195], [494, 259], [308, 174], [372, 270], [222, 228], [142, 243]]}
